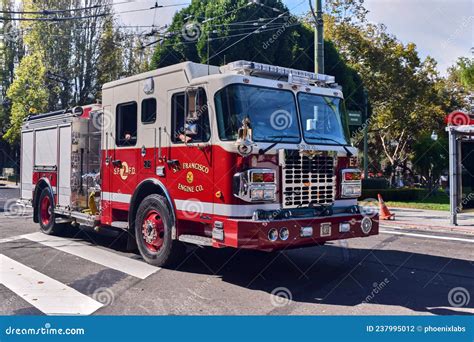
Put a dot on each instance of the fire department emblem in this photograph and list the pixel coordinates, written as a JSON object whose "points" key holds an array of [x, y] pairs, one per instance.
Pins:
{"points": [[190, 177], [124, 171]]}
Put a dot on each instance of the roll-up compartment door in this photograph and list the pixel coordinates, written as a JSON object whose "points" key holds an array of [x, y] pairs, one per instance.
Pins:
{"points": [[27, 162], [46, 152], [64, 171]]}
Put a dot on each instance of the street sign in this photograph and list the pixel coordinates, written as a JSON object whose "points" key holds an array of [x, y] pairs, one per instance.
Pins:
{"points": [[355, 118]]}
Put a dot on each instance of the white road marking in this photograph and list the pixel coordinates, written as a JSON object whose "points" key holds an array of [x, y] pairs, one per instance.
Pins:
{"points": [[10, 239], [136, 268], [46, 294], [435, 237]]}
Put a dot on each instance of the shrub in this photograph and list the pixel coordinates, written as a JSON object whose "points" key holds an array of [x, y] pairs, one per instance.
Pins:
{"points": [[375, 183], [397, 195]]}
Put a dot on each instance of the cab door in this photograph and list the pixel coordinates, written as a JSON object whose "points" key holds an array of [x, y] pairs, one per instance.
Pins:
{"points": [[189, 162]]}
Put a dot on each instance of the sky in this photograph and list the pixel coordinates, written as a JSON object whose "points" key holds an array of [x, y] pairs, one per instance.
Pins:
{"points": [[442, 29]]}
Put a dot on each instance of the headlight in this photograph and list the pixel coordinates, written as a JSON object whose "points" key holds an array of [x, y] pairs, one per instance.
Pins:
{"points": [[351, 184], [256, 185], [351, 190]]}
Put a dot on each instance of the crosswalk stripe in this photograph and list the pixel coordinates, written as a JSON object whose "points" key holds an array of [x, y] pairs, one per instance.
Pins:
{"points": [[10, 239], [426, 236], [46, 294], [136, 268]]}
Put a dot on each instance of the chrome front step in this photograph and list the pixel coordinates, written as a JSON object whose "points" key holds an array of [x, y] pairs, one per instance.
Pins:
{"points": [[196, 240], [120, 224]]}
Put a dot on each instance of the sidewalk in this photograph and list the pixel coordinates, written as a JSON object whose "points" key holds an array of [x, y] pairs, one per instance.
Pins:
{"points": [[431, 220], [9, 185]]}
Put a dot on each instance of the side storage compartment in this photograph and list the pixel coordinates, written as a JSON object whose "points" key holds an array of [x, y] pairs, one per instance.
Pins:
{"points": [[64, 176], [27, 164]]}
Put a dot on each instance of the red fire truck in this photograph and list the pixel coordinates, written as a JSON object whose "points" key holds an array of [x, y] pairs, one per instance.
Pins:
{"points": [[247, 155]]}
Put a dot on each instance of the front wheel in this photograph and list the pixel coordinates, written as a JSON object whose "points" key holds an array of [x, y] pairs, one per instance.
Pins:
{"points": [[46, 216], [153, 232]]}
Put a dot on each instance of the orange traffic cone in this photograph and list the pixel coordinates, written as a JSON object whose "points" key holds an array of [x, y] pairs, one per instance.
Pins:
{"points": [[384, 214]]}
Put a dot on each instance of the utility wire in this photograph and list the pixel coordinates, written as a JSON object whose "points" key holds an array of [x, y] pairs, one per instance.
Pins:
{"points": [[57, 18]]}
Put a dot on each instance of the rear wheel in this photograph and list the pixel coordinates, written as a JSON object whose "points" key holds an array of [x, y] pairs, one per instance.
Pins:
{"points": [[46, 216], [153, 231]]}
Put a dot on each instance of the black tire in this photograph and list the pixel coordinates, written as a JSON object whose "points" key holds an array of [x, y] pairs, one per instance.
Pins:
{"points": [[46, 215], [157, 246]]}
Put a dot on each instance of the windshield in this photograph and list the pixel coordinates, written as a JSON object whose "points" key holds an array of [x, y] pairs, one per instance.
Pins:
{"points": [[322, 119], [271, 112]]}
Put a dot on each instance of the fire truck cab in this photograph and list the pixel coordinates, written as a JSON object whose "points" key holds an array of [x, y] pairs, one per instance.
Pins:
{"points": [[247, 155]]}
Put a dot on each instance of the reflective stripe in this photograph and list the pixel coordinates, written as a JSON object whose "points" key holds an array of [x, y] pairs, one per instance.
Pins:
{"points": [[116, 197], [231, 210]]}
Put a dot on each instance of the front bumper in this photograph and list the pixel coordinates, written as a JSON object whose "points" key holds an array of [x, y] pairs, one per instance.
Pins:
{"points": [[253, 234]]}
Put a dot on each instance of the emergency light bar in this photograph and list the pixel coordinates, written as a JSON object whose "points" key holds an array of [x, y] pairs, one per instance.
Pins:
{"points": [[266, 70]]}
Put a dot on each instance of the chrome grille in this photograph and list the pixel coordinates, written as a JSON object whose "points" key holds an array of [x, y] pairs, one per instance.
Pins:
{"points": [[308, 180]]}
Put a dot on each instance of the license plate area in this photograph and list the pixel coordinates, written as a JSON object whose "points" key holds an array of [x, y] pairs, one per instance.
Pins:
{"points": [[326, 229]]}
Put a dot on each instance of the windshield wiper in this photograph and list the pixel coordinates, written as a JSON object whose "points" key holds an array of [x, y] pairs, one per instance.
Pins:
{"points": [[349, 153], [280, 137]]}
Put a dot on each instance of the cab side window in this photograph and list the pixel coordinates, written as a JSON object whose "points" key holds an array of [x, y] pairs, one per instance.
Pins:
{"points": [[149, 111], [126, 124], [190, 117]]}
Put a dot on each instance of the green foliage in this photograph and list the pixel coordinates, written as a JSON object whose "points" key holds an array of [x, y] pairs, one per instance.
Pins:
{"points": [[375, 183], [463, 73], [408, 99], [28, 93], [63, 60], [406, 195], [288, 42], [431, 158], [10, 52], [110, 63]]}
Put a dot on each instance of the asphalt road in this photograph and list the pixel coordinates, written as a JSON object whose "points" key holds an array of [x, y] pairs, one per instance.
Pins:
{"points": [[90, 273]]}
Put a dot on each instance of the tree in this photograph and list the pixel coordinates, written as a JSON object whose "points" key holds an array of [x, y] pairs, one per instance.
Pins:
{"points": [[61, 61], [223, 31], [110, 62], [28, 93], [11, 51], [431, 158], [407, 95], [464, 72]]}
